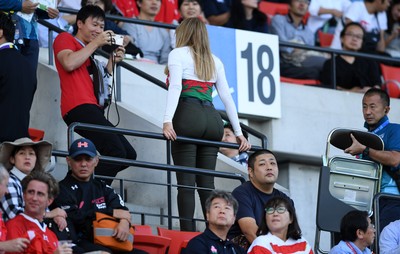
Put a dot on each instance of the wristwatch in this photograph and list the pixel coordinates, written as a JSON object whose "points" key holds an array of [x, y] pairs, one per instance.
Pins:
{"points": [[365, 153]]}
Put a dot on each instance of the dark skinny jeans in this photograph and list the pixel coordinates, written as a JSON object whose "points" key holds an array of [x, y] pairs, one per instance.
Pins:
{"points": [[196, 120]]}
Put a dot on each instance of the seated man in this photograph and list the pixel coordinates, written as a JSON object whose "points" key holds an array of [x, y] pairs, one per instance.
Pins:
{"points": [[252, 196], [153, 41], [221, 210], [229, 136], [389, 239], [39, 190], [357, 233], [82, 196], [297, 63]]}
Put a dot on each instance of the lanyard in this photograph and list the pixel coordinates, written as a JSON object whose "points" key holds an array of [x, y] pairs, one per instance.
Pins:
{"points": [[383, 125], [351, 247]]}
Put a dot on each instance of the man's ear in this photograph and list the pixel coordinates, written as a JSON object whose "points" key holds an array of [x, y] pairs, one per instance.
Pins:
{"points": [[250, 172], [1, 33], [50, 201], [387, 109]]}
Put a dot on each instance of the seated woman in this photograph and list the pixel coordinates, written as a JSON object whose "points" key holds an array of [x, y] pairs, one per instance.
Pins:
{"points": [[392, 34], [21, 157], [245, 15], [279, 230], [354, 74]]}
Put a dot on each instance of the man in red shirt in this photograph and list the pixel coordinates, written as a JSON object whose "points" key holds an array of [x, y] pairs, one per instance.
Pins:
{"points": [[84, 88], [39, 190]]}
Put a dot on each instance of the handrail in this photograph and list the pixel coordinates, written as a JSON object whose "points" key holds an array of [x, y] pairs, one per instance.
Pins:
{"points": [[259, 135], [167, 167]]}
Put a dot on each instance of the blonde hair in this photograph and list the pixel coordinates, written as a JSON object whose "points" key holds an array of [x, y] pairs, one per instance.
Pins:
{"points": [[192, 32]]}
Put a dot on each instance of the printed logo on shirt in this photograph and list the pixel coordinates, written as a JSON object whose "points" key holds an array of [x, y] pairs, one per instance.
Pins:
{"points": [[213, 250]]}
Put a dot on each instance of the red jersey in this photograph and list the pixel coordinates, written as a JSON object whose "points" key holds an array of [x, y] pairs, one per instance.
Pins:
{"points": [[43, 240]]}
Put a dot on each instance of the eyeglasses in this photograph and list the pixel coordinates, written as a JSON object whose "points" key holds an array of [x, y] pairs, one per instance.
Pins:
{"points": [[357, 36], [279, 209]]}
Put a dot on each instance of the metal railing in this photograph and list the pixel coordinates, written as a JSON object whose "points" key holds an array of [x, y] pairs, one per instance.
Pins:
{"points": [[157, 166]]}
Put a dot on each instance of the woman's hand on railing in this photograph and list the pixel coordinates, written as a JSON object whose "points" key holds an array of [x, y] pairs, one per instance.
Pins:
{"points": [[244, 143], [169, 132]]}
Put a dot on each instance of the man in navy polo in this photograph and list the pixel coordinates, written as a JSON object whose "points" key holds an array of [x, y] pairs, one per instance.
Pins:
{"points": [[221, 210]]}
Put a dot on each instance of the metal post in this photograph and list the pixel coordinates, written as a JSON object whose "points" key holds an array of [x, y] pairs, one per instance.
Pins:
{"points": [[169, 186], [118, 82]]}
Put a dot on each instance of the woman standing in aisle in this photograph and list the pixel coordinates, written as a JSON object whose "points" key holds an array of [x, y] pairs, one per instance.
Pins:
{"points": [[193, 71]]}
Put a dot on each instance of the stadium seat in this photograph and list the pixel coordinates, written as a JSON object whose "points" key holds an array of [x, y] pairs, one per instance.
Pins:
{"points": [[325, 39], [153, 244], [391, 75], [177, 238], [143, 230], [36, 134], [310, 82]]}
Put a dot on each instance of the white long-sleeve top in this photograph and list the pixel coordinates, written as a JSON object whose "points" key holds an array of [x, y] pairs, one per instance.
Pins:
{"points": [[181, 66]]}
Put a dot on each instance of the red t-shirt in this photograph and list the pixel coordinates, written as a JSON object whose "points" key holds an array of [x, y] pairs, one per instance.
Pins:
{"points": [[43, 240], [77, 85]]}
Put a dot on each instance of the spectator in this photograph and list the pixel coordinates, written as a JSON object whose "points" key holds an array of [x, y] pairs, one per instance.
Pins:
{"points": [[26, 26], [64, 21], [79, 101], [234, 154], [81, 195], [279, 231], [392, 33], [39, 189], [187, 9], [297, 63], [193, 71], [245, 15], [325, 14], [375, 108], [22, 157], [128, 43], [153, 41], [217, 12], [16, 90], [221, 209], [389, 239], [371, 15], [15, 245], [357, 233], [354, 74], [252, 196]]}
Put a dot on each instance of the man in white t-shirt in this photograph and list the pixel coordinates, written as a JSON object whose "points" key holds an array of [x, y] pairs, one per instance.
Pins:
{"points": [[321, 11], [372, 16]]}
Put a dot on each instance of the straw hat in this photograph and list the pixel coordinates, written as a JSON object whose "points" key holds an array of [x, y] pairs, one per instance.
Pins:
{"points": [[43, 149]]}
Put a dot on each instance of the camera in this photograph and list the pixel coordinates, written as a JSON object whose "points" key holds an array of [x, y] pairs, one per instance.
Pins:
{"points": [[117, 39]]}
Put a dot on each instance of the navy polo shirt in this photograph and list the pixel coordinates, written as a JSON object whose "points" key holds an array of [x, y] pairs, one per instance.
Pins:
{"points": [[209, 243]]}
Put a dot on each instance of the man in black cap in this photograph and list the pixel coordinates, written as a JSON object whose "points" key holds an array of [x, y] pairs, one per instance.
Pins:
{"points": [[81, 196]]}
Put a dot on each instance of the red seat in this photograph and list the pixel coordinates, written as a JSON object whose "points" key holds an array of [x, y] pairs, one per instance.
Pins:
{"points": [[310, 82], [325, 39], [36, 134], [153, 244], [143, 230], [391, 75], [177, 238]]}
